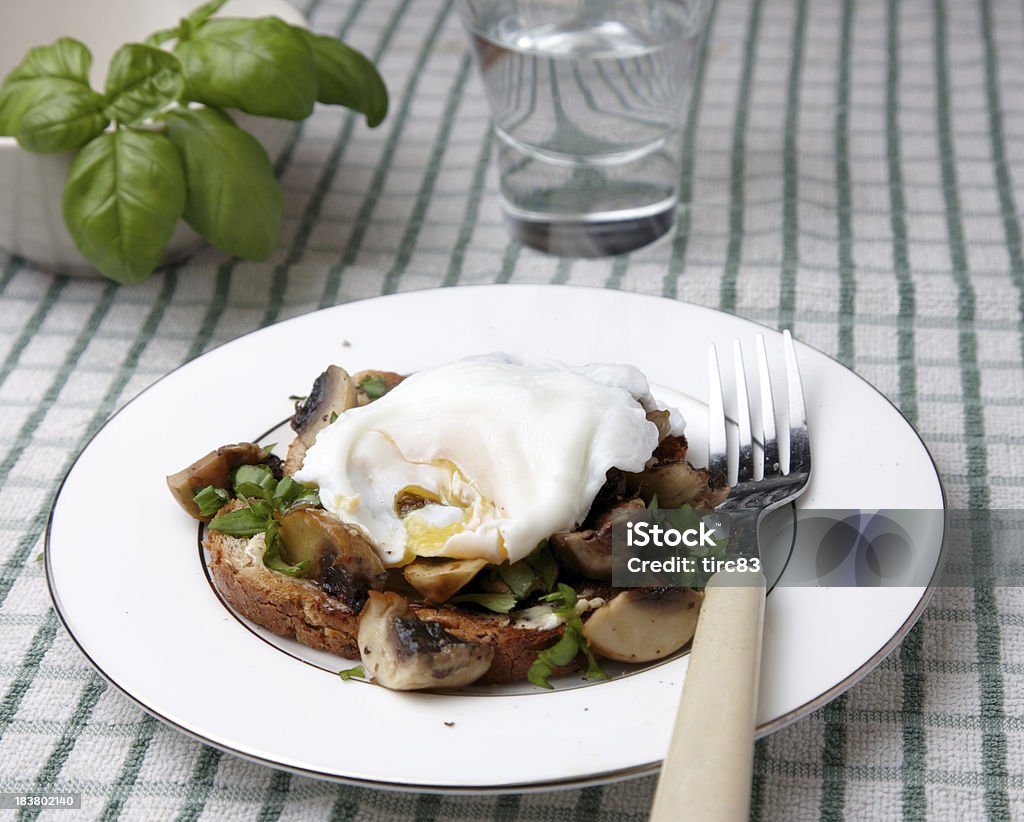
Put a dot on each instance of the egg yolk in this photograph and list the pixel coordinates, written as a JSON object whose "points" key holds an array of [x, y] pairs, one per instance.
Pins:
{"points": [[433, 516]]}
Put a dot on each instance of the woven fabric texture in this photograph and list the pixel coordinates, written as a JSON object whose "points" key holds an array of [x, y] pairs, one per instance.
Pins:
{"points": [[853, 171]]}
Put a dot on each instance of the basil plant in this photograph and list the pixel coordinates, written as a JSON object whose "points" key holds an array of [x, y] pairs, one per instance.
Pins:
{"points": [[158, 144]]}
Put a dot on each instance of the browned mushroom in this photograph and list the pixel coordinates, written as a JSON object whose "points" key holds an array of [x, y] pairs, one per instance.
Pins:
{"points": [[677, 483], [437, 580], [213, 469], [589, 551], [332, 393], [643, 624], [402, 652], [369, 384], [340, 560]]}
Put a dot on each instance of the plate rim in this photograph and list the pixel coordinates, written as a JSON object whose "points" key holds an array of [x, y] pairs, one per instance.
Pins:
{"points": [[536, 786]]}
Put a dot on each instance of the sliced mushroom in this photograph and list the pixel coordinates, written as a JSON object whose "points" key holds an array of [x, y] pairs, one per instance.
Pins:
{"points": [[589, 552], [405, 653], [340, 560], [438, 580], [661, 419], [389, 378], [679, 483], [214, 469], [332, 393], [643, 624], [672, 448]]}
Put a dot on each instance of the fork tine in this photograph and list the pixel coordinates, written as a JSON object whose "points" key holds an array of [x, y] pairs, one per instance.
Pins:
{"points": [[718, 448], [769, 437], [799, 444], [745, 460]]}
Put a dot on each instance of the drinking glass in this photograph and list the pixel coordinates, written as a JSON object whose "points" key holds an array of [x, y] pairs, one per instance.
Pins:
{"points": [[587, 103]]}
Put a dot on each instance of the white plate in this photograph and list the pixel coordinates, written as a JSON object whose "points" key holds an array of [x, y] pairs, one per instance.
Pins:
{"points": [[129, 585]]}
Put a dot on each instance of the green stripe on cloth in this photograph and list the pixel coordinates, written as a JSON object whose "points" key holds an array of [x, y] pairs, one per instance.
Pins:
{"points": [[412, 229], [27, 670], [311, 213], [988, 634], [280, 281], [897, 220], [833, 759], [277, 793], [1000, 165], [681, 241], [727, 298], [32, 326], [790, 186], [200, 784], [844, 204], [472, 211], [47, 777], [398, 121], [914, 799], [13, 265]]}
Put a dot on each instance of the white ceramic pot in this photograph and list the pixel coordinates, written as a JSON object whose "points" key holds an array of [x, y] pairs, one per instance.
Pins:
{"points": [[31, 185]]}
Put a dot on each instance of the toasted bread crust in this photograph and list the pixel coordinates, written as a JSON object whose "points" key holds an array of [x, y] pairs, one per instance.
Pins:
{"points": [[298, 609], [291, 608]]}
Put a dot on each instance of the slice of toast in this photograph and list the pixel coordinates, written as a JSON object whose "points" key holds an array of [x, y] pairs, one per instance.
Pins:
{"points": [[299, 609]]}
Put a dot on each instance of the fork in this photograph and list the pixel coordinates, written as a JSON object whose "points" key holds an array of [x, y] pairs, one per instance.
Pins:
{"points": [[707, 772]]}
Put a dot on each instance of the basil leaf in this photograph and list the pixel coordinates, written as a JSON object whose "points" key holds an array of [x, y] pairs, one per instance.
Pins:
{"points": [[563, 600], [66, 122], [210, 500], [254, 481], [291, 492], [272, 556], [141, 81], [262, 66], [518, 576], [254, 519], [346, 77], [356, 672], [499, 603], [125, 191], [66, 58], [373, 386], [42, 73], [202, 13], [234, 200], [45, 72], [542, 561], [562, 653]]}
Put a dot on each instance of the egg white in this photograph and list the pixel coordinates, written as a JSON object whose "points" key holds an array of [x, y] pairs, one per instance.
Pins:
{"points": [[482, 458]]}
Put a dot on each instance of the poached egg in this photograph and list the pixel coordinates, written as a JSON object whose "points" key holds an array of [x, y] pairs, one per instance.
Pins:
{"points": [[482, 458]]}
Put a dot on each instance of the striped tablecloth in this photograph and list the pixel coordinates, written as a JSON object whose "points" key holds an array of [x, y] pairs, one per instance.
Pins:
{"points": [[854, 171]]}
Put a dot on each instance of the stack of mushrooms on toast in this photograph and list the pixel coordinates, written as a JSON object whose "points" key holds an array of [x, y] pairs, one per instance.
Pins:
{"points": [[454, 526]]}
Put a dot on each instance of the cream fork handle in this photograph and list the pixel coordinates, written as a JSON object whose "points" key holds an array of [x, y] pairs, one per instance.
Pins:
{"points": [[707, 773]]}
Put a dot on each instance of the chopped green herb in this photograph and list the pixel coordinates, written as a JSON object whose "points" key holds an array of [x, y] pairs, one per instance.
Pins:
{"points": [[562, 653], [297, 397], [272, 556], [563, 600], [290, 492], [40, 555], [254, 481], [373, 386], [334, 416], [519, 577], [544, 564], [499, 603], [210, 500], [245, 522], [356, 672], [269, 447]]}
